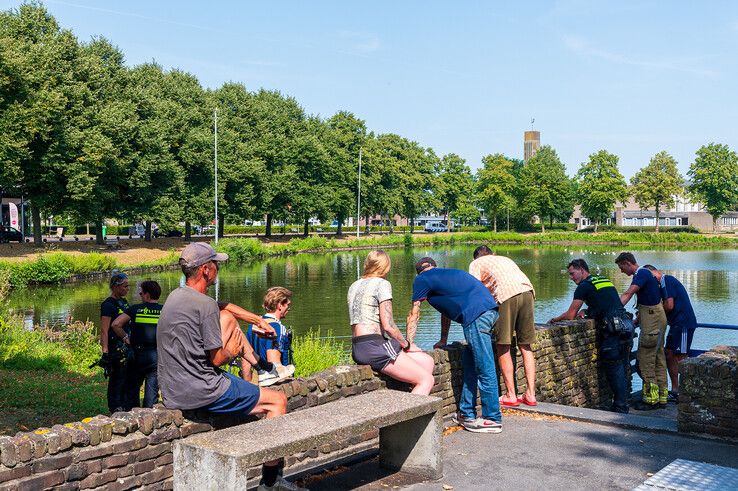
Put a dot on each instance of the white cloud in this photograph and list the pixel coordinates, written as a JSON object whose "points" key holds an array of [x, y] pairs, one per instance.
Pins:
{"points": [[682, 64]]}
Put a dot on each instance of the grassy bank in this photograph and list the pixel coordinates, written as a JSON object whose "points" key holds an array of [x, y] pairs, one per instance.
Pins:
{"points": [[55, 267]]}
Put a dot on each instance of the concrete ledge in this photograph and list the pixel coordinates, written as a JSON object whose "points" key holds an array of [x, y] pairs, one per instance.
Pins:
{"points": [[608, 418]]}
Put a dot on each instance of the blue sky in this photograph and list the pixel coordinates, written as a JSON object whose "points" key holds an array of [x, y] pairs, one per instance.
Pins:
{"points": [[634, 77]]}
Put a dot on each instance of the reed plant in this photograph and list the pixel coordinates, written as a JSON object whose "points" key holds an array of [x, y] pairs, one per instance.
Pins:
{"points": [[314, 352]]}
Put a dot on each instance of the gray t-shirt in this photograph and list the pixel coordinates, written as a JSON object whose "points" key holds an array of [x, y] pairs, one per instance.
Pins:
{"points": [[364, 297], [189, 326]]}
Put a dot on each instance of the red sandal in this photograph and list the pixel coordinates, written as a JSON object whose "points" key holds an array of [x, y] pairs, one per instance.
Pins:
{"points": [[526, 401], [508, 403]]}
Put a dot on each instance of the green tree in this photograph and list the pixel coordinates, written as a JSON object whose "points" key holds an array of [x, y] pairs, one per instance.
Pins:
{"points": [[657, 184], [41, 101], [544, 187], [714, 176], [454, 182], [495, 185], [600, 186]]}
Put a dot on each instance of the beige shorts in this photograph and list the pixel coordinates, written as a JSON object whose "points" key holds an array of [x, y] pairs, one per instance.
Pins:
{"points": [[516, 316]]}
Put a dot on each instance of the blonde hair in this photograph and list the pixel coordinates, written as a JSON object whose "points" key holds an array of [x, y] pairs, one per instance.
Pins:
{"points": [[276, 296], [377, 263]]}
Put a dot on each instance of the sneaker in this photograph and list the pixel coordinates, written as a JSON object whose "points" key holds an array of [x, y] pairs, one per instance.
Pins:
{"points": [[458, 419], [481, 425], [673, 397], [281, 484], [278, 374]]}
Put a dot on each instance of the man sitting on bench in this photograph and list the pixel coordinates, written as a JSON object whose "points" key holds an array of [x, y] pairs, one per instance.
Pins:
{"points": [[191, 347]]}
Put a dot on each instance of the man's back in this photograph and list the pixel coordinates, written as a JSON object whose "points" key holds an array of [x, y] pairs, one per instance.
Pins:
{"points": [[454, 293], [189, 326], [501, 276], [682, 314]]}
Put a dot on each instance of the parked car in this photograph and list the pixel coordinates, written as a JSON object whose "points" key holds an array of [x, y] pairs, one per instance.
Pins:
{"points": [[436, 226], [169, 233], [9, 234]]}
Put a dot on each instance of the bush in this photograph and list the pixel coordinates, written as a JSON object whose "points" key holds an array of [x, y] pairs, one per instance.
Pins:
{"points": [[313, 353], [617, 228]]}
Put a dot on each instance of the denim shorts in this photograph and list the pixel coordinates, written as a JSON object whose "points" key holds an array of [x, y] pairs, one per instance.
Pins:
{"points": [[240, 397]]}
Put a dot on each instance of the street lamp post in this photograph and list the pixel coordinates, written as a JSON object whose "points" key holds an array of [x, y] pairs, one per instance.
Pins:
{"points": [[215, 127], [358, 198]]}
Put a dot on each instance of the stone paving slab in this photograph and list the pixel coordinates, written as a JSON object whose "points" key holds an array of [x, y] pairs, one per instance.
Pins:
{"points": [[686, 475], [632, 420]]}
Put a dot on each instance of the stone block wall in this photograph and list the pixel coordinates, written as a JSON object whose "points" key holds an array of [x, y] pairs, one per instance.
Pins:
{"points": [[708, 393], [134, 449]]}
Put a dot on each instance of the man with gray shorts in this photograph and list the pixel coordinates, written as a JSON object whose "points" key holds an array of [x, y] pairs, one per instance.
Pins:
{"points": [[514, 294]]}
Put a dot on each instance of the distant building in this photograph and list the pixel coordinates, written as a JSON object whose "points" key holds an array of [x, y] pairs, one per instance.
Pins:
{"points": [[531, 144], [684, 213]]}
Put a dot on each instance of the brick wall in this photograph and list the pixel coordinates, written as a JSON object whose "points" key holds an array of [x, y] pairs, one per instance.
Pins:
{"points": [[134, 450], [708, 393]]}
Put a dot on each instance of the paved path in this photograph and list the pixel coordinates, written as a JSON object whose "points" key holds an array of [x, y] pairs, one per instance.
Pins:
{"points": [[545, 452]]}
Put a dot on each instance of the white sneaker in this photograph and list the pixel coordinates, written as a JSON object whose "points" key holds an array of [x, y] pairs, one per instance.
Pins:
{"points": [[278, 374], [481, 425]]}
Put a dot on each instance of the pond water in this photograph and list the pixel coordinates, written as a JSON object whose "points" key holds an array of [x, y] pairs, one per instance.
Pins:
{"points": [[320, 283]]}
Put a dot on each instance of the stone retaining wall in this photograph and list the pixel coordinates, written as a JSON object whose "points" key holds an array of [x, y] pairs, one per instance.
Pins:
{"points": [[134, 449], [708, 393]]}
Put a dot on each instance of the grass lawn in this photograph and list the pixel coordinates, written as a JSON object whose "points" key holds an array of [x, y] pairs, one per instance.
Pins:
{"points": [[30, 399]]}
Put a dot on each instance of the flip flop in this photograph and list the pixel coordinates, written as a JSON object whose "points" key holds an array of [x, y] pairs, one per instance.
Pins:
{"points": [[509, 404], [524, 400]]}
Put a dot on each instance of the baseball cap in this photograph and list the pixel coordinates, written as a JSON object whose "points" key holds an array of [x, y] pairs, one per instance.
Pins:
{"points": [[199, 253], [117, 278]]}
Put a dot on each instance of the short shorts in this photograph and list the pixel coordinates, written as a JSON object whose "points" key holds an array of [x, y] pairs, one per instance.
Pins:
{"points": [[374, 350], [679, 340], [240, 397], [516, 316]]}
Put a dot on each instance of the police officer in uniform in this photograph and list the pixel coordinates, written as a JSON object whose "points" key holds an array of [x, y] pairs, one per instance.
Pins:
{"points": [[114, 350], [615, 330], [142, 320]]}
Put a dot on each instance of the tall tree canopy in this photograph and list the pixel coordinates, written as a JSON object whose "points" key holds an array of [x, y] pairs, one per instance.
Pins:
{"points": [[657, 184], [545, 189], [496, 185], [600, 186], [714, 176]]}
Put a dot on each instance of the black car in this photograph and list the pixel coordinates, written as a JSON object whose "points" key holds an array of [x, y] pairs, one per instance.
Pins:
{"points": [[9, 234]]}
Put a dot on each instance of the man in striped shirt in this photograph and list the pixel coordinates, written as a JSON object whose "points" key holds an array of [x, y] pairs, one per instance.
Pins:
{"points": [[514, 294]]}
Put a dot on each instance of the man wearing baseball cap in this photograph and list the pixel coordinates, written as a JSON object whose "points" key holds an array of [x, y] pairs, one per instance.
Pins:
{"points": [[191, 346]]}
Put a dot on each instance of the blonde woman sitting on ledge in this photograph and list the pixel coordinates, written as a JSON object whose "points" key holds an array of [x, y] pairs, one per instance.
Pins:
{"points": [[370, 313]]}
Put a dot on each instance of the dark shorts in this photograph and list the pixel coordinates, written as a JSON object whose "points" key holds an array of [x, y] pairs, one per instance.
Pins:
{"points": [[679, 340], [374, 350], [240, 397]]}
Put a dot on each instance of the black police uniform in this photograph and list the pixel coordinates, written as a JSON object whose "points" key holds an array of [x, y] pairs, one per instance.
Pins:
{"points": [[112, 308], [604, 305], [142, 366]]}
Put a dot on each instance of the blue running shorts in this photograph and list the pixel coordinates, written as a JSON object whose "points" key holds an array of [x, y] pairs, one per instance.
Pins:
{"points": [[241, 397], [679, 340]]}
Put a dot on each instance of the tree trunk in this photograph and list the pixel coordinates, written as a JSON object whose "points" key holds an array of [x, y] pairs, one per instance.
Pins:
{"points": [[268, 228], [597, 222], [495, 221], [715, 224], [543, 226], [339, 229], [391, 224], [221, 227], [412, 224], [306, 228], [366, 223], [98, 232], [657, 216], [36, 217], [550, 220], [147, 232], [188, 231]]}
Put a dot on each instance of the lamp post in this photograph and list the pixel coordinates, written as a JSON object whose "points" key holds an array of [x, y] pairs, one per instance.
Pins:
{"points": [[358, 198], [215, 127]]}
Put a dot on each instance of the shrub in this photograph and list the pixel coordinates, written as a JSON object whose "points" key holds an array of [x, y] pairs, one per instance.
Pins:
{"points": [[313, 353]]}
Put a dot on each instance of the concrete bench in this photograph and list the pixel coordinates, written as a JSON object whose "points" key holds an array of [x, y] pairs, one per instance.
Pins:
{"points": [[409, 439], [112, 242]]}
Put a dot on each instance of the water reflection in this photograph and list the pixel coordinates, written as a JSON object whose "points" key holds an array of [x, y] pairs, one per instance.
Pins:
{"points": [[320, 284]]}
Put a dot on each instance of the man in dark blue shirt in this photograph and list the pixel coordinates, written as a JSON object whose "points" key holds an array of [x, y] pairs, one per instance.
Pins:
{"points": [[461, 298], [651, 358], [682, 323]]}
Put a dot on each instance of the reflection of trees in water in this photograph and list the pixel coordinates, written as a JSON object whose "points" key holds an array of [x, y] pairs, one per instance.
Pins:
{"points": [[706, 284]]}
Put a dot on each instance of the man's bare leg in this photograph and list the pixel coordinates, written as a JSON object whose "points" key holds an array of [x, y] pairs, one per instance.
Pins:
{"points": [[672, 365], [506, 367], [529, 364]]}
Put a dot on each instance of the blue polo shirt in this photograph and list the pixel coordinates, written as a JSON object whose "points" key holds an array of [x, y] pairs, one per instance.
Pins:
{"points": [[650, 290], [280, 343], [682, 315], [454, 293]]}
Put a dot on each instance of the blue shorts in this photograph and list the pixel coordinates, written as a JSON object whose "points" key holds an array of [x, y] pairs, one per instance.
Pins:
{"points": [[679, 340], [240, 397]]}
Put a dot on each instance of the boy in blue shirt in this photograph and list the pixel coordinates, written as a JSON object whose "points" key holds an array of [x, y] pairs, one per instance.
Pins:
{"points": [[682, 323], [651, 358], [277, 302]]}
